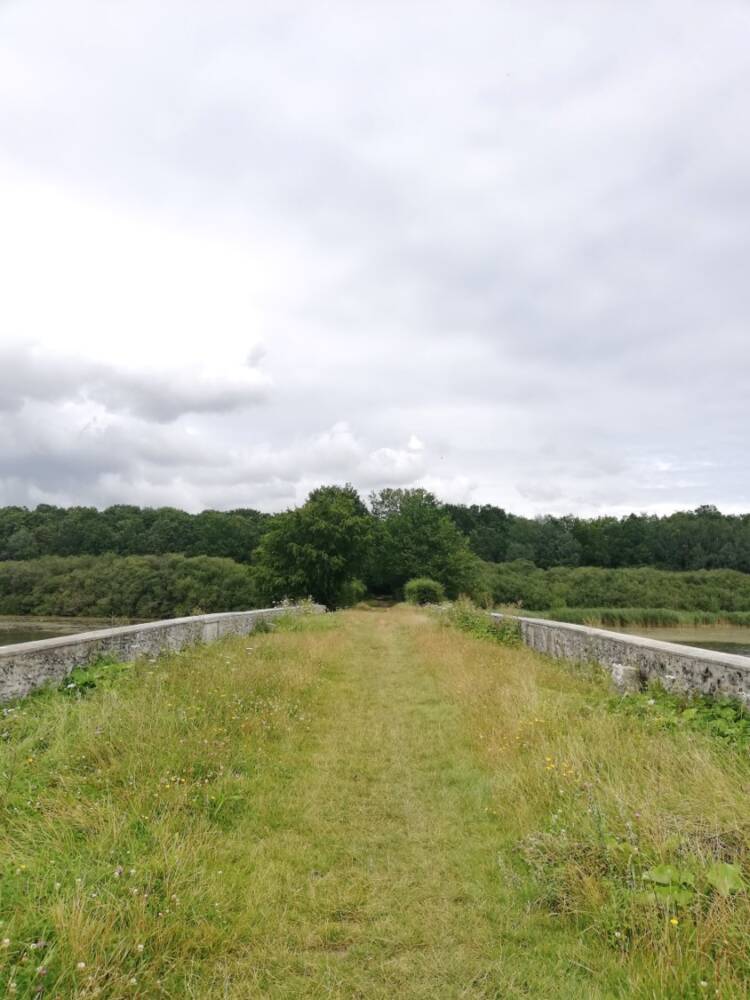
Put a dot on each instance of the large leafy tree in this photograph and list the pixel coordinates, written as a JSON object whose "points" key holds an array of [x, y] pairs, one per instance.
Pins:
{"points": [[315, 550], [415, 537]]}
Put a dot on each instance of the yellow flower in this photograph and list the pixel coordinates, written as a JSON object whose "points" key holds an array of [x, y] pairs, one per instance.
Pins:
{"points": [[674, 921]]}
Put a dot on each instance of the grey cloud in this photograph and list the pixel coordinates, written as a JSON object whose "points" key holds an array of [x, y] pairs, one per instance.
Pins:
{"points": [[28, 373], [522, 237]]}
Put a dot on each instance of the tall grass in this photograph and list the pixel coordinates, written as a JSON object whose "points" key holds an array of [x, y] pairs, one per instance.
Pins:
{"points": [[618, 821], [125, 802]]}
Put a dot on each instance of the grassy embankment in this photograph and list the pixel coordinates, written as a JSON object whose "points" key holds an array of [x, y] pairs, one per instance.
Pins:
{"points": [[370, 804]]}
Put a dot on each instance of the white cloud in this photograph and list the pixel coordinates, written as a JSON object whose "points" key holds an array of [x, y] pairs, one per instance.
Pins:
{"points": [[503, 253]]}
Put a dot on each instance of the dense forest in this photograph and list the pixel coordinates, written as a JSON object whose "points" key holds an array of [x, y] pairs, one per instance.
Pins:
{"points": [[699, 539], [687, 540], [144, 562], [128, 531]]}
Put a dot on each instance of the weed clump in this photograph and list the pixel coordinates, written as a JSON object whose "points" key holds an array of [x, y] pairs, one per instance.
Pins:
{"points": [[724, 719], [465, 615]]}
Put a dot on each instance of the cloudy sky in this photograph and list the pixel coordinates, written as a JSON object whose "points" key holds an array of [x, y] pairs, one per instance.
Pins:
{"points": [[499, 249]]}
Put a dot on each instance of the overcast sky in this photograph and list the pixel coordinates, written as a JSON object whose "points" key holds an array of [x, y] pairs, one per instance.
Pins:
{"points": [[497, 249]]}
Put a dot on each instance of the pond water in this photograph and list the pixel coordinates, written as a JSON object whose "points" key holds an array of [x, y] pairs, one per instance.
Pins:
{"points": [[29, 628], [725, 638]]}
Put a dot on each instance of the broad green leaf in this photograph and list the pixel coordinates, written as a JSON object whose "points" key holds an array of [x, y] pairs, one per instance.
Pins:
{"points": [[668, 875], [725, 878], [673, 894]]}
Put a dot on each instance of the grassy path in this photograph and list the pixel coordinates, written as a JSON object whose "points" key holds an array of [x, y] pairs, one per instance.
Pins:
{"points": [[393, 865], [335, 810]]}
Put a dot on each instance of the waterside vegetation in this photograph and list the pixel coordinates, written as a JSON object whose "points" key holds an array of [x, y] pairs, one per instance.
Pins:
{"points": [[336, 548]]}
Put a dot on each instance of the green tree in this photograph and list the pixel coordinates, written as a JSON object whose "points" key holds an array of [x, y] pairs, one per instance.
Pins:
{"points": [[415, 537], [316, 549]]}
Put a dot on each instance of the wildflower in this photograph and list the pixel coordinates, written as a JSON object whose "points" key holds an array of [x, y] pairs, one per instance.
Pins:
{"points": [[618, 934], [6, 942], [133, 981], [674, 921], [139, 948], [81, 965]]}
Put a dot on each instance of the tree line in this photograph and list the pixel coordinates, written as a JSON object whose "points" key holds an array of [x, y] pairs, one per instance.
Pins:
{"points": [[687, 540], [136, 562], [126, 530]]}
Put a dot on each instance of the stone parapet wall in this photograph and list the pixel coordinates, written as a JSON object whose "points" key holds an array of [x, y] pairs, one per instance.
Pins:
{"points": [[633, 661], [26, 666]]}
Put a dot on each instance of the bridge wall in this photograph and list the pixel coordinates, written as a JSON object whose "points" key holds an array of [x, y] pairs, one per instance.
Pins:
{"points": [[26, 666], [634, 661]]}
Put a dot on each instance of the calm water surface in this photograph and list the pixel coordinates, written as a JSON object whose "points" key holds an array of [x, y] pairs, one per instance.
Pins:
{"points": [[28, 628], [725, 638]]}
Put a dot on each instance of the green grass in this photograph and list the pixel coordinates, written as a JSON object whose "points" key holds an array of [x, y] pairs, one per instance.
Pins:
{"points": [[368, 804]]}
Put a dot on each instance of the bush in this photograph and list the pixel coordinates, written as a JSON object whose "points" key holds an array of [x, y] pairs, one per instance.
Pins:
{"points": [[350, 593], [422, 590], [710, 591], [125, 586]]}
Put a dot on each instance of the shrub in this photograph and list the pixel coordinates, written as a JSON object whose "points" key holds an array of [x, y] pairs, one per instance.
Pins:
{"points": [[350, 593], [422, 590]]}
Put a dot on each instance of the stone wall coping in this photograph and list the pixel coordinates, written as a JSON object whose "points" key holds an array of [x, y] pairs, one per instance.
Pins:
{"points": [[734, 660], [60, 642]]}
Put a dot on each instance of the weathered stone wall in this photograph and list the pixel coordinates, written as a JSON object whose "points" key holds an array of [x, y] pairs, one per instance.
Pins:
{"points": [[29, 665], [633, 660]]}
